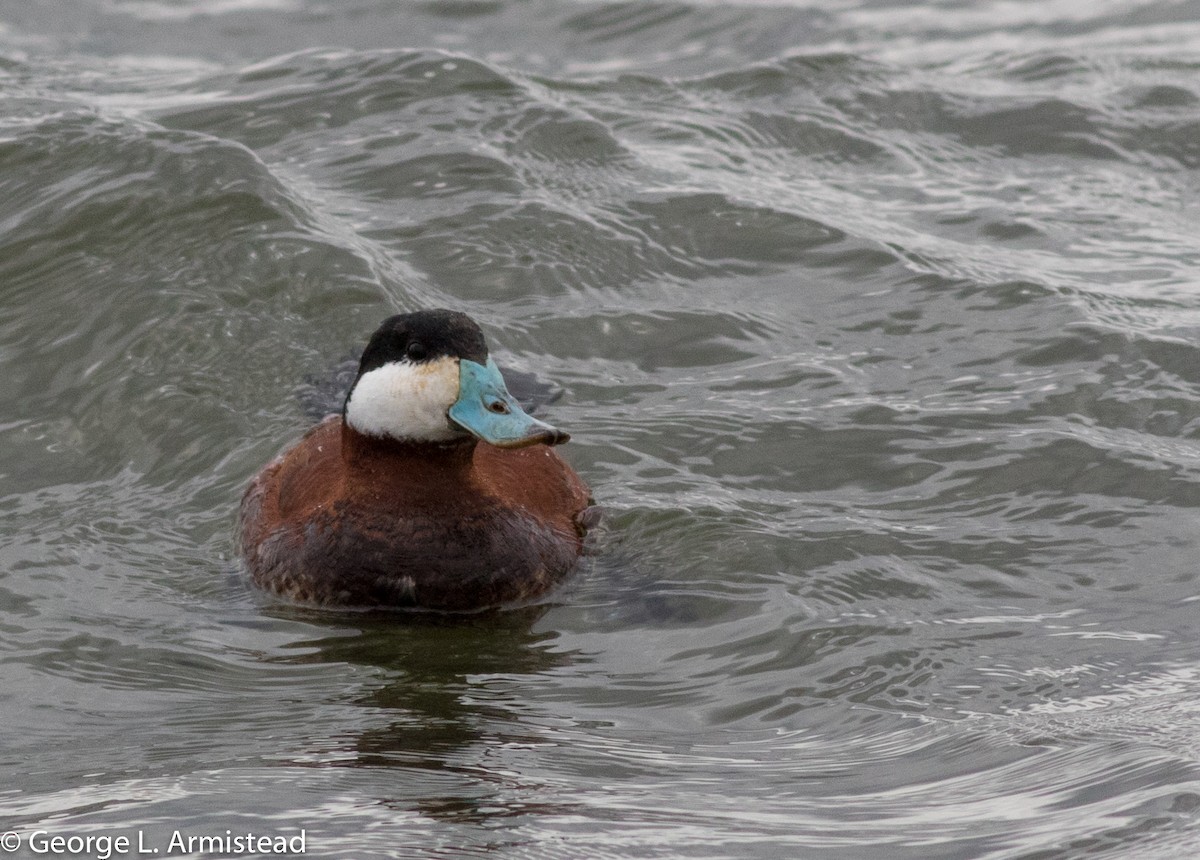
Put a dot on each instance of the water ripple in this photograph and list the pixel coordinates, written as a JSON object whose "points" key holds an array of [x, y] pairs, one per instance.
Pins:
{"points": [[876, 328]]}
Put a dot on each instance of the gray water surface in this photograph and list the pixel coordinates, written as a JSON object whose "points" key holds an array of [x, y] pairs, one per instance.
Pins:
{"points": [[876, 325]]}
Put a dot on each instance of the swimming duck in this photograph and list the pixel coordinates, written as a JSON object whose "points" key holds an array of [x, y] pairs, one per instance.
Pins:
{"points": [[433, 488]]}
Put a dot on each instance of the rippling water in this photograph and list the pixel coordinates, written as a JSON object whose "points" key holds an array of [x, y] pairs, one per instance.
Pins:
{"points": [[877, 328]]}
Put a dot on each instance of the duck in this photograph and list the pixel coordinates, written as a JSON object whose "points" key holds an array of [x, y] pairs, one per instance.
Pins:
{"points": [[432, 489]]}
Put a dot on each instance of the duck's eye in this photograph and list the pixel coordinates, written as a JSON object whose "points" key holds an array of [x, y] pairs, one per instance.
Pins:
{"points": [[416, 351]]}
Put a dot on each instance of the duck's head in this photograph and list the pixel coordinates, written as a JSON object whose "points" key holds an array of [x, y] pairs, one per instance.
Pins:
{"points": [[426, 377]]}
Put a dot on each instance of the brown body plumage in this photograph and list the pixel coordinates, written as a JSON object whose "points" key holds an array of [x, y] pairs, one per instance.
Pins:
{"points": [[350, 520]]}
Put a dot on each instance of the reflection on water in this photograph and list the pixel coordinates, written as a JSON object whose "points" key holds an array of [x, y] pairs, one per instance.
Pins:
{"points": [[874, 327], [431, 663]]}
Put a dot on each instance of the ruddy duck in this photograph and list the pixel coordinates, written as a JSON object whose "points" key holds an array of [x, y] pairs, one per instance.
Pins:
{"points": [[394, 503]]}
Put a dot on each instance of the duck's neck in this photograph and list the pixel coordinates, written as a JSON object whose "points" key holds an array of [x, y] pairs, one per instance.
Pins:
{"points": [[422, 468]]}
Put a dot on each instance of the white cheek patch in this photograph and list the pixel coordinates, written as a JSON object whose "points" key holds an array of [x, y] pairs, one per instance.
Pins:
{"points": [[405, 400]]}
